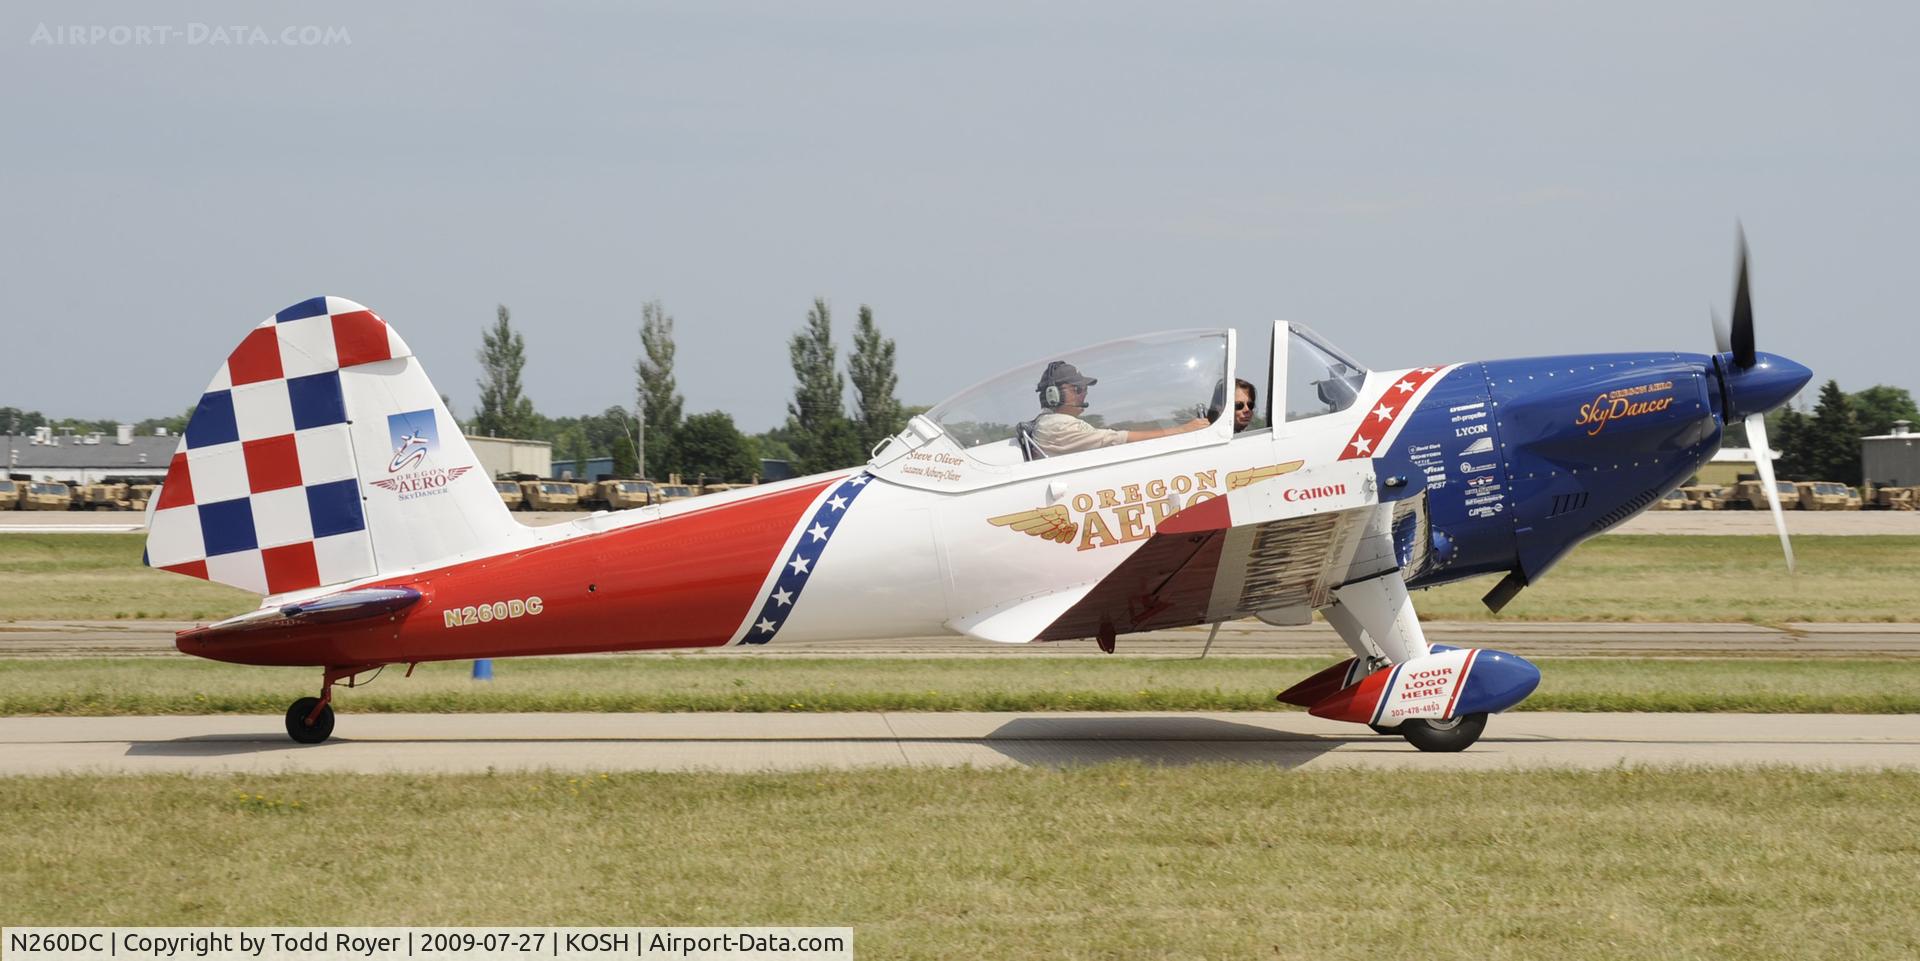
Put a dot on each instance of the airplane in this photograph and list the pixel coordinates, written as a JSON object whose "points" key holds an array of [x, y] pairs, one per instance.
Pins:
{"points": [[1090, 493]]}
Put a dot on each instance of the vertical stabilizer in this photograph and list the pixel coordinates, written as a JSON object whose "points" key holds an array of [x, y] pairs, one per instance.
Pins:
{"points": [[320, 454]]}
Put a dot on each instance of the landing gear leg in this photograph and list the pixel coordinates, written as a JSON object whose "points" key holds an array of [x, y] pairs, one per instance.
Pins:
{"points": [[310, 719]]}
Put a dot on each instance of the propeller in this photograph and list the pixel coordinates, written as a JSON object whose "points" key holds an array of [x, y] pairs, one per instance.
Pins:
{"points": [[1742, 339], [1763, 459], [1736, 339]]}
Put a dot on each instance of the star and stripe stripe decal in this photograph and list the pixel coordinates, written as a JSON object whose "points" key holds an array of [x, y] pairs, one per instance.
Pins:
{"points": [[798, 568], [1379, 422]]}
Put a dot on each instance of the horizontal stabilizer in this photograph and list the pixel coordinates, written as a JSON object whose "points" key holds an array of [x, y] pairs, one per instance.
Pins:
{"points": [[329, 609]]}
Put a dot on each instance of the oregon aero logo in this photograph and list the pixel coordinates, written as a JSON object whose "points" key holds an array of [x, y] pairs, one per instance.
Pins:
{"points": [[1131, 512], [415, 436]]}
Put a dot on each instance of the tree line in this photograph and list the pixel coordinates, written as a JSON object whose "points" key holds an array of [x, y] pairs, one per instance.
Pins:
{"points": [[820, 432], [1824, 445]]}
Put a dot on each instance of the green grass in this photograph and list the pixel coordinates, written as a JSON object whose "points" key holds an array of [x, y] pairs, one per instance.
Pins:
{"points": [[1112, 861], [185, 686], [99, 577], [1708, 579], [1613, 578]]}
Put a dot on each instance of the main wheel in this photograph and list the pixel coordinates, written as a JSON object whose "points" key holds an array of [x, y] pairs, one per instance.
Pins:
{"points": [[300, 730], [1452, 734]]}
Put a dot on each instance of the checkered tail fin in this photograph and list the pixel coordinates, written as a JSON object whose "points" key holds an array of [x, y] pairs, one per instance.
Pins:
{"points": [[319, 456]]}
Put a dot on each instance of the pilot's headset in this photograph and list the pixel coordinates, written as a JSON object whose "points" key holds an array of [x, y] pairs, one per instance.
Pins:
{"points": [[1057, 373]]}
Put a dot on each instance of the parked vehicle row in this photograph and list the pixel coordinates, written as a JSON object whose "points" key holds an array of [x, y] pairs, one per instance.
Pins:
{"points": [[1794, 496], [523, 493], [18, 494]]}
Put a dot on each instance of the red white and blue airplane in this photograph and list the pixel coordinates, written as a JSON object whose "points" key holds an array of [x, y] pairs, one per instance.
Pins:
{"points": [[1089, 494]]}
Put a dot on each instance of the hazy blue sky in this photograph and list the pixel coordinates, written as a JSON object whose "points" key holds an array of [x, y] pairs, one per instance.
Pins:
{"points": [[1421, 183]]}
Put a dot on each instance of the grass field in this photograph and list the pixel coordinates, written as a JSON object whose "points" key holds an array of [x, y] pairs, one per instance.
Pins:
{"points": [[1111, 861], [1613, 578], [187, 686]]}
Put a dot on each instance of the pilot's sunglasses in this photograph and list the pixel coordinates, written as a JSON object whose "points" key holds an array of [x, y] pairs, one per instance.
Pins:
{"points": [[1242, 405]]}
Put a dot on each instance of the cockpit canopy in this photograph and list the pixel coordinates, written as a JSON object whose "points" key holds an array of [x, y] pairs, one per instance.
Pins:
{"points": [[1320, 379], [1142, 383]]}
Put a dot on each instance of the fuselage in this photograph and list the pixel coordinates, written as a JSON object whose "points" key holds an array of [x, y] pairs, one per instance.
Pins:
{"points": [[1517, 460]]}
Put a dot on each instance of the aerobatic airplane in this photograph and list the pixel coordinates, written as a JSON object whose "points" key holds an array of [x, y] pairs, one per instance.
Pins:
{"points": [[1092, 493]]}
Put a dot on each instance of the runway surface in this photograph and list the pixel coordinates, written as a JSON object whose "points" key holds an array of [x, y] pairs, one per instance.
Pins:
{"points": [[417, 743], [1246, 638]]}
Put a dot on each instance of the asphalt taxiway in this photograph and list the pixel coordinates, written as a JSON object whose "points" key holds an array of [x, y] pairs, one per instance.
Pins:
{"points": [[473, 743]]}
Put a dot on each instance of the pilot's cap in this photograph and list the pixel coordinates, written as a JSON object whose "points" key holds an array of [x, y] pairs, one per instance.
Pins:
{"points": [[1061, 372]]}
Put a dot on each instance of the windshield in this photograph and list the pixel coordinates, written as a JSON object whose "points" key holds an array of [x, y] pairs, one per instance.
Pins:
{"points": [[1320, 379], [1114, 393], [631, 487]]}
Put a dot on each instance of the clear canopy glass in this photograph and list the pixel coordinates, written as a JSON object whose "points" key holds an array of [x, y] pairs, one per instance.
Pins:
{"points": [[1320, 379], [1145, 385]]}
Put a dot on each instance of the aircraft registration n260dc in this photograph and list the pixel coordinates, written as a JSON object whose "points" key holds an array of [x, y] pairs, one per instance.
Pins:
{"points": [[1093, 493]]}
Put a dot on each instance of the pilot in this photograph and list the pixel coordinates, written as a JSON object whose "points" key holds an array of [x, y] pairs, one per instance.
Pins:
{"points": [[1059, 429]]}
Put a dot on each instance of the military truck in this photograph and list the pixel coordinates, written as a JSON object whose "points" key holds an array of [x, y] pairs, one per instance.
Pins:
{"points": [[1705, 497], [1884, 498], [10, 494], [509, 494], [1749, 495], [675, 492], [1673, 500], [103, 496], [1826, 496], [619, 494], [718, 488], [138, 495], [47, 496], [549, 495]]}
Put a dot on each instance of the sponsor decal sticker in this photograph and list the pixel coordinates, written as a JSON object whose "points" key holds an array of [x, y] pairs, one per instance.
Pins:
{"points": [[1482, 446], [415, 436]]}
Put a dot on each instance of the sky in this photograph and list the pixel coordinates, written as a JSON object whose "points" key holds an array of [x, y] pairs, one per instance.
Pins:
{"points": [[1421, 183]]}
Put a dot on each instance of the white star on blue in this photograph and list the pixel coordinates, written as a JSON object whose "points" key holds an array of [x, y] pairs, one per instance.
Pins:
{"points": [[812, 541]]}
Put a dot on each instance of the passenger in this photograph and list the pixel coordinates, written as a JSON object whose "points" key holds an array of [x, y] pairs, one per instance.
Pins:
{"points": [[1059, 430], [1242, 405]]}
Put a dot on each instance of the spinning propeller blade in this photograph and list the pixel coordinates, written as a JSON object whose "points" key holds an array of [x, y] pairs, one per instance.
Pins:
{"points": [[1763, 458], [1741, 341]]}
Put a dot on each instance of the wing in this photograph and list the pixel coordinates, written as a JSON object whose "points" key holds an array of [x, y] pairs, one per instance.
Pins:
{"points": [[453, 474], [388, 484], [1266, 547], [1049, 523]]}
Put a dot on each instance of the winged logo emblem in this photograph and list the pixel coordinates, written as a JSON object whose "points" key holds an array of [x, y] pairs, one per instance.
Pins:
{"points": [[1047, 523]]}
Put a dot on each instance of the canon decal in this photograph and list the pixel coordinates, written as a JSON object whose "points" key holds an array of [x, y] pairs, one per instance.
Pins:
{"points": [[1294, 494]]}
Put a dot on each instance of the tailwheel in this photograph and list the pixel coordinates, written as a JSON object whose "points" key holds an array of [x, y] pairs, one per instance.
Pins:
{"points": [[1452, 734], [310, 720]]}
